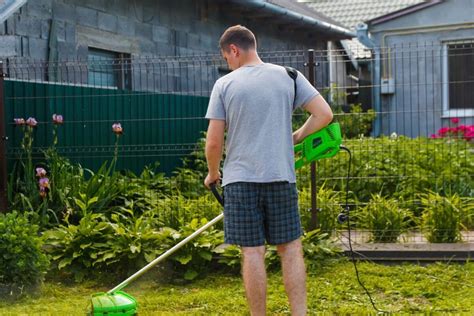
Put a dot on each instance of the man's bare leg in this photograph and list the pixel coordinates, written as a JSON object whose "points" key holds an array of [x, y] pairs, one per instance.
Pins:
{"points": [[255, 279], [294, 275]]}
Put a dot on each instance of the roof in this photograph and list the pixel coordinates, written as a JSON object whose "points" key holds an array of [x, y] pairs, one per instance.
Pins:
{"points": [[8, 7], [290, 13], [303, 9], [408, 10], [351, 12]]}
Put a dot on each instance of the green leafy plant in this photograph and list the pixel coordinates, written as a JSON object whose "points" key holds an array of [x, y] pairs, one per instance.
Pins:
{"points": [[195, 257], [22, 262], [443, 216], [385, 219], [97, 244], [329, 206], [356, 123]]}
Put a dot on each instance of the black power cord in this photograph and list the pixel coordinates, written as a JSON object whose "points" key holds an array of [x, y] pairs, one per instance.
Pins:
{"points": [[344, 217]]}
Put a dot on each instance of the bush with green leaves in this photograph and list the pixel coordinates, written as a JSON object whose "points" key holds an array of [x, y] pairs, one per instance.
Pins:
{"points": [[384, 218], [125, 241], [329, 206], [97, 244], [444, 217], [399, 167], [22, 262]]}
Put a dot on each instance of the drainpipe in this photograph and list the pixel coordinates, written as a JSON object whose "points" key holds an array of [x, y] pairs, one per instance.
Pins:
{"points": [[273, 8], [363, 37]]}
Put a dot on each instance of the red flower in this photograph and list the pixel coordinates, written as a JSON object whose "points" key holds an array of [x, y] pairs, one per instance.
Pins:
{"points": [[455, 120], [443, 131]]}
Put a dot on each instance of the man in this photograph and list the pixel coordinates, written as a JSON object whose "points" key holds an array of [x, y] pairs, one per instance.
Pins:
{"points": [[254, 103]]}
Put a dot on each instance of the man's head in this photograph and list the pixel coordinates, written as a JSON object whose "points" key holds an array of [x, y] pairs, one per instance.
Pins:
{"points": [[238, 45]]}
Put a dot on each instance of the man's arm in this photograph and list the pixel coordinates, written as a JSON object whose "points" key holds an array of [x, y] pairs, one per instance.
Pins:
{"points": [[214, 147], [321, 115]]}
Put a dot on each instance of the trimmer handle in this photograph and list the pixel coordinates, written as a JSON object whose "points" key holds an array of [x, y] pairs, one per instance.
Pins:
{"points": [[216, 193]]}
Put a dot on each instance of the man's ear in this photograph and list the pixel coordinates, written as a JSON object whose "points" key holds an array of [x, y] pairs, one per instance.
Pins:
{"points": [[234, 49]]}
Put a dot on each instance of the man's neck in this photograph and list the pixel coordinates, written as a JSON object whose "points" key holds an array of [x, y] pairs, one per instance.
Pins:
{"points": [[252, 60]]}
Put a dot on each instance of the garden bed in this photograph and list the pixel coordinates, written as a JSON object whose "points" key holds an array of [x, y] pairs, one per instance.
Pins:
{"points": [[411, 247]]}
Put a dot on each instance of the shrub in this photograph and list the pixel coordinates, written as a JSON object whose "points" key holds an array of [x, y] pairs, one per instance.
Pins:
{"points": [[398, 167], [384, 218], [329, 206], [356, 122], [22, 262], [443, 216], [97, 244], [126, 243]]}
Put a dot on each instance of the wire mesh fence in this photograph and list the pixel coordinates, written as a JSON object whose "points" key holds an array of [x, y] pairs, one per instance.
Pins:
{"points": [[410, 131]]}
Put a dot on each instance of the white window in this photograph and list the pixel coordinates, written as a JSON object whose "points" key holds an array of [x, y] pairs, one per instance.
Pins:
{"points": [[458, 79]]}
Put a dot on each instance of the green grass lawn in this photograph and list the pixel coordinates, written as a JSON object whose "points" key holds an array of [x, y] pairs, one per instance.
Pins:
{"points": [[437, 288]]}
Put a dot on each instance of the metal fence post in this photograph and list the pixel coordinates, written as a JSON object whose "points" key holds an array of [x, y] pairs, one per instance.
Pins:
{"points": [[314, 210], [3, 152]]}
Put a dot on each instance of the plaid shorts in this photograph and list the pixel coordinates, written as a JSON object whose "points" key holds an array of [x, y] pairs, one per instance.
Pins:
{"points": [[255, 212]]}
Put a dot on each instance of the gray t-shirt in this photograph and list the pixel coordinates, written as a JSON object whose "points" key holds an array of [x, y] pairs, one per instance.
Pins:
{"points": [[256, 103]]}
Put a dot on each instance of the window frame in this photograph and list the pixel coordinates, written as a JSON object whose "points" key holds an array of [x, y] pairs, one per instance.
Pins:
{"points": [[447, 112], [122, 75]]}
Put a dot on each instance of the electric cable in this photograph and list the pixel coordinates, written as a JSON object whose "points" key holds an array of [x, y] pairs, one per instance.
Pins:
{"points": [[343, 217]]}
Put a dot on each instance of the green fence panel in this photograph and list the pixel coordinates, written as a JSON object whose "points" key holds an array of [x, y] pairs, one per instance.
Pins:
{"points": [[157, 127]]}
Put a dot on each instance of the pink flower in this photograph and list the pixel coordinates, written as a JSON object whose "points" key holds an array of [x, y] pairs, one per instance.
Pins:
{"points": [[455, 120], [58, 119], [463, 128], [443, 131], [469, 135], [44, 183], [31, 121], [117, 128], [19, 121], [435, 136], [40, 172]]}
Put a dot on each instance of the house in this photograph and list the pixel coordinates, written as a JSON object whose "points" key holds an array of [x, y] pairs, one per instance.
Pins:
{"points": [[104, 30], [351, 61], [427, 66]]}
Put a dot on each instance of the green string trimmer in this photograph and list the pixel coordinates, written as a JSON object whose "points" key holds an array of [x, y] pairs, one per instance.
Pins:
{"points": [[324, 143]]}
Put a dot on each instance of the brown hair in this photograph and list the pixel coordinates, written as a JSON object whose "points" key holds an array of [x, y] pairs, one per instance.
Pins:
{"points": [[238, 35]]}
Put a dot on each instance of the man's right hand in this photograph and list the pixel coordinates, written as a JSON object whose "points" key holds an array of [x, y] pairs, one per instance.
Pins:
{"points": [[212, 178]]}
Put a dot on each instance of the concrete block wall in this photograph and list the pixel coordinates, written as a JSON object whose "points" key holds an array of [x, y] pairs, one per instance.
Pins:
{"points": [[64, 30], [156, 27]]}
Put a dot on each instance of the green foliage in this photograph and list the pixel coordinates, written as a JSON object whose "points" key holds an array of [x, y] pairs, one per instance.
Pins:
{"points": [[443, 216], [329, 206], [22, 263], [195, 257], [398, 167], [126, 243], [385, 219], [318, 248], [97, 244], [356, 123]]}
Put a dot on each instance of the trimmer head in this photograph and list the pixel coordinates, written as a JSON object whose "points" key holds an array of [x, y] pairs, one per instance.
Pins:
{"points": [[324, 143], [113, 304]]}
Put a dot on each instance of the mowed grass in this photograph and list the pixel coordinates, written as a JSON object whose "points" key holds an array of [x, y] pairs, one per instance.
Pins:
{"points": [[332, 289]]}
